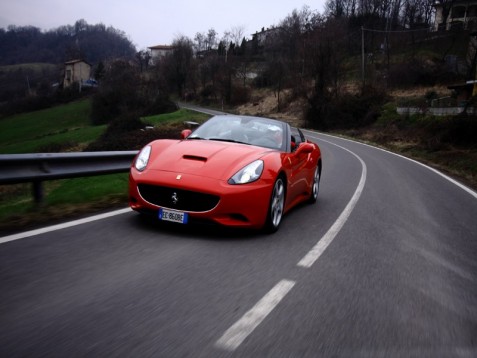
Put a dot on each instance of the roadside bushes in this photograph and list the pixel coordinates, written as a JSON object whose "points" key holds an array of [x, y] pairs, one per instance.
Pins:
{"points": [[420, 72], [239, 95], [128, 132], [117, 134], [117, 93], [458, 131], [123, 90], [43, 99], [160, 105], [344, 112], [430, 133]]}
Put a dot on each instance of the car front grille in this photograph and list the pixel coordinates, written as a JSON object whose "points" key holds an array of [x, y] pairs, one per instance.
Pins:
{"points": [[178, 199]]}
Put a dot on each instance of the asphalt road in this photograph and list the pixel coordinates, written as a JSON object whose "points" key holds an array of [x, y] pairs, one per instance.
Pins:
{"points": [[383, 265]]}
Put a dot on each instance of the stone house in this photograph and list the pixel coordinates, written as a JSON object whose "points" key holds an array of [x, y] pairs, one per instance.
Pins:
{"points": [[160, 51], [461, 14], [76, 71]]}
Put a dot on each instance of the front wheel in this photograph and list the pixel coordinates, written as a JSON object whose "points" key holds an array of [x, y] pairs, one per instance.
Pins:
{"points": [[277, 204], [315, 186]]}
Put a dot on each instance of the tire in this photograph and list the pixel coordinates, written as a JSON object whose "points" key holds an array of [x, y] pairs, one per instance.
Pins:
{"points": [[276, 206], [315, 187]]}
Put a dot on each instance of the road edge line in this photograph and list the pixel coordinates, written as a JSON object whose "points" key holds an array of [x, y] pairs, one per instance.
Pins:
{"points": [[68, 224]]}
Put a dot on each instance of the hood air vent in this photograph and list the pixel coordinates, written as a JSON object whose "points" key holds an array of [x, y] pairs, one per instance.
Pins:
{"points": [[194, 157]]}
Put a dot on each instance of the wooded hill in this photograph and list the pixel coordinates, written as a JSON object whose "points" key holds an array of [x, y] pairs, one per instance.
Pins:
{"points": [[32, 61], [94, 43]]}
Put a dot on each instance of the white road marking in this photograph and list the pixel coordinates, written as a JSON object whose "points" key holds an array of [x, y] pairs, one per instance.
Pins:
{"points": [[62, 226], [310, 258], [237, 333]]}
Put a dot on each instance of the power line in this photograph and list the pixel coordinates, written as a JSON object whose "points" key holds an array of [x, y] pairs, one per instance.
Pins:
{"points": [[395, 31]]}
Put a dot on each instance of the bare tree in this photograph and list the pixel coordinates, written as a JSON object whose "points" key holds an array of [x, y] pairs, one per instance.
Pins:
{"points": [[446, 8], [341, 8], [417, 12], [200, 42], [211, 39], [236, 34], [178, 67], [292, 47]]}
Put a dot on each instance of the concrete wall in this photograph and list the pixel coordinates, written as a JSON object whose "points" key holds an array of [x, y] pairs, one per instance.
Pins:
{"points": [[443, 111]]}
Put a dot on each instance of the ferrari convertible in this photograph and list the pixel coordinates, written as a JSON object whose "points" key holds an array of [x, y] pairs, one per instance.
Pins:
{"points": [[237, 171]]}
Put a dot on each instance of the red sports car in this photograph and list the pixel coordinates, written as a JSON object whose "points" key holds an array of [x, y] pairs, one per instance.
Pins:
{"points": [[237, 171]]}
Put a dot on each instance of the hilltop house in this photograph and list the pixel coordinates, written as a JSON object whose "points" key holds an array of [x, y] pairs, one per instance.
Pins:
{"points": [[460, 14], [160, 51], [76, 71], [265, 36]]}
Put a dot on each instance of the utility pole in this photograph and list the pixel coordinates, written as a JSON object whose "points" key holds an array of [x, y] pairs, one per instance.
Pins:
{"points": [[28, 84], [362, 56]]}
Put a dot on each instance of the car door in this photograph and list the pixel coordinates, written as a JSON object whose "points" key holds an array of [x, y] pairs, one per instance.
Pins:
{"points": [[298, 184]]}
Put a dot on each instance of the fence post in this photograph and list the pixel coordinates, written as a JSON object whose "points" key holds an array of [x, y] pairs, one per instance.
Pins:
{"points": [[37, 191]]}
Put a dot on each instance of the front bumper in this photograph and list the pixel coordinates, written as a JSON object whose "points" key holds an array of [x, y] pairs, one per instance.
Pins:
{"points": [[243, 205]]}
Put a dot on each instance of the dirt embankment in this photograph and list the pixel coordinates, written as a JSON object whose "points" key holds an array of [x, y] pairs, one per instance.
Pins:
{"points": [[264, 102]]}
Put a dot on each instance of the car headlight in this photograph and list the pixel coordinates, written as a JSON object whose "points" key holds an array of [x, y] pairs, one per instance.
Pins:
{"points": [[143, 158], [248, 174]]}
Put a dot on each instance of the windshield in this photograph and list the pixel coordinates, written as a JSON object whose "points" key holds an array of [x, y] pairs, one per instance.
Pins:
{"points": [[261, 132]]}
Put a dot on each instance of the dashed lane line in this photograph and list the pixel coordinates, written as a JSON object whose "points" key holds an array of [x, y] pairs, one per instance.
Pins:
{"points": [[237, 333]]}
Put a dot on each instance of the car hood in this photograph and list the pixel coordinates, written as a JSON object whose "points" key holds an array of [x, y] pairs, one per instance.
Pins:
{"points": [[208, 158]]}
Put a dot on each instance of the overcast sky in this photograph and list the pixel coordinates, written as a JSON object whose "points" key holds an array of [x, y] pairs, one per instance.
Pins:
{"points": [[153, 22]]}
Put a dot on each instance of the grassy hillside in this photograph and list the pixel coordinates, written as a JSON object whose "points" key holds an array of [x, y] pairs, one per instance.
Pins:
{"points": [[48, 130], [35, 67]]}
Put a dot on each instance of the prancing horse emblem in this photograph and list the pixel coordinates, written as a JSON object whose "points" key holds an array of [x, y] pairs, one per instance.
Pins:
{"points": [[174, 198]]}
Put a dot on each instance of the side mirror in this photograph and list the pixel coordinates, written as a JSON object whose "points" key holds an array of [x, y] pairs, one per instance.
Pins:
{"points": [[293, 146], [185, 133], [191, 124], [305, 148]]}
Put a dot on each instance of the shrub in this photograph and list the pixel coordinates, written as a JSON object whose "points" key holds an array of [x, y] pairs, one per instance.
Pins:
{"points": [[57, 147], [18, 104], [128, 132], [419, 72], [124, 90], [239, 95], [345, 112], [117, 93], [160, 105], [458, 130], [115, 134]]}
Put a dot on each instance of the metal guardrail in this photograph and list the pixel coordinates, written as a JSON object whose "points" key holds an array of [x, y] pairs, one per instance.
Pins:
{"points": [[36, 168]]}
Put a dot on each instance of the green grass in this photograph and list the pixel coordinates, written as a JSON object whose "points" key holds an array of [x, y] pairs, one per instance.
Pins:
{"points": [[14, 199], [51, 143], [29, 132], [88, 189], [178, 116], [34, 66], [63, 192], [63, 199]]}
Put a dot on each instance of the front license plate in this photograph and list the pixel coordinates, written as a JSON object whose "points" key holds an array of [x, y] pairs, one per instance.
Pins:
{"points": [[174, 216]]}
